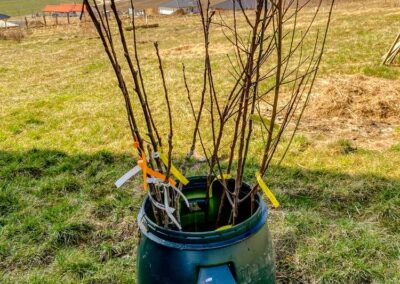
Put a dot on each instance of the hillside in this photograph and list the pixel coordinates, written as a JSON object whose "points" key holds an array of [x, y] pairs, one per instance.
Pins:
{"points": [[24, 7], [28, 7]]}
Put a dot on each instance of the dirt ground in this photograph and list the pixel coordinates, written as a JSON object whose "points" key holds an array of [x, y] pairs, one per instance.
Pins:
{"points": [[361, 109]]}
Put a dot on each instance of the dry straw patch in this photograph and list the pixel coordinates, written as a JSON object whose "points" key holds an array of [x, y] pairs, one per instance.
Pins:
{"points": [[12, 34], [360, 108]]}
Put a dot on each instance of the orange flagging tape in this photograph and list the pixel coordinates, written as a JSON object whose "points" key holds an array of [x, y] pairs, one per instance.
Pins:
{"points": [[153, 173], [142, 163]]}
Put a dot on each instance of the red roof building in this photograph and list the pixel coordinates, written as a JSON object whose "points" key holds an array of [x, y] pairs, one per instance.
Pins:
{"points": [[63, 8]]}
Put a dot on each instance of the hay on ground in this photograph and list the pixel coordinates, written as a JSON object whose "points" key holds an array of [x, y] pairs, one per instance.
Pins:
{"points": [[359, 108]]}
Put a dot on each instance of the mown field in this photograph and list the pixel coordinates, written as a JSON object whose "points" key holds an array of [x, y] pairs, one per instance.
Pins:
{"points": [[24, 7], [64, 140]]}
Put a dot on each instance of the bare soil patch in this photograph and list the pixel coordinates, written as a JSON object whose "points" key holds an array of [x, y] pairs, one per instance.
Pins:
{"points": [[363, 109]]}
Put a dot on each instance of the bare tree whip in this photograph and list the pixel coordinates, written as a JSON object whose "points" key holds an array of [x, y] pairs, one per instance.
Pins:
{"points": [[274, 63]]}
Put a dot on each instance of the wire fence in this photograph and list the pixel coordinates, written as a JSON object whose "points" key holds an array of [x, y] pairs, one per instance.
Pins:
{"points": [[17, 8]]}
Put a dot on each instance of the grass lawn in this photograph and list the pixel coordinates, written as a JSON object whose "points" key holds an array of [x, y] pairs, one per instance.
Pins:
{"points": [[64, 140], [25, 7]]}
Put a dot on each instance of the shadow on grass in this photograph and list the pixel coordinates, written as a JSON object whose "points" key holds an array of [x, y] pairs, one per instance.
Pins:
{"points": [[332, 227]]}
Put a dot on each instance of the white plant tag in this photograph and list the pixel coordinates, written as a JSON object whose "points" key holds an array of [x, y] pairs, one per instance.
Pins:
{"points": [[127, 176]]}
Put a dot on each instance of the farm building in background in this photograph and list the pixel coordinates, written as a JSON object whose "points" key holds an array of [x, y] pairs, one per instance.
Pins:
{"points": [[67, 10], [136, 12], [228, 5], [5, 24], [4, 17], [187, 6]]}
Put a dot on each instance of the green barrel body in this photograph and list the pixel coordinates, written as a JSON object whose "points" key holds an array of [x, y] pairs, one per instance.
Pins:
{"points": [[171, 257]]}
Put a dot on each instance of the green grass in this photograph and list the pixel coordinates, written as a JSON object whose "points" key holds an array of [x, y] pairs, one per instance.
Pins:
{"points": [[61, 211], [64, 141], [62, 217]]}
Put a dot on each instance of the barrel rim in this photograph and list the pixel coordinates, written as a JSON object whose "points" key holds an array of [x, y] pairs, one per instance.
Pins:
{"points": [[202, 240]]}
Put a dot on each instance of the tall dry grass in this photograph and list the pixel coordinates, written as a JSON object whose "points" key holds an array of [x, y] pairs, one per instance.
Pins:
{"points": [[12, 34]]}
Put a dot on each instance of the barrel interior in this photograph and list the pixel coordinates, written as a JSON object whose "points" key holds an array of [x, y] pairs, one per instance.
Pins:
{"points": [[202, 214]]}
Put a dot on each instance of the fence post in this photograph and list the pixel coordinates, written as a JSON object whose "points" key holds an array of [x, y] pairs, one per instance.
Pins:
{"points": [[68, 18], [131, 16], [26, 23], [44, 20], [56, 19]]}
